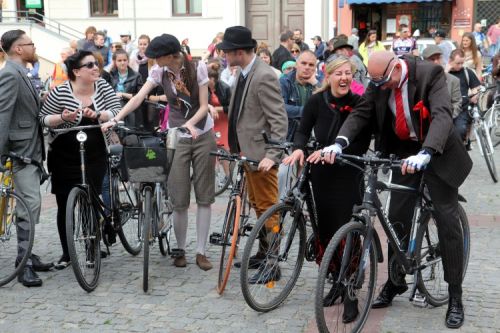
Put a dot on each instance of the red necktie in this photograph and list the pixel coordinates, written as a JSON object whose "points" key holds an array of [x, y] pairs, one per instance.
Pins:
{"points": [[401, 126]]}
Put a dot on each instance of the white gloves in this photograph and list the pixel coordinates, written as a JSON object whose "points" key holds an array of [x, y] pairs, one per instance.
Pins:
{"points": [[333, 149], [419, 161]]}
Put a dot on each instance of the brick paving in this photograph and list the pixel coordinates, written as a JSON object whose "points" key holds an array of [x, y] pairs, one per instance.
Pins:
{"points": [[185, 299]]}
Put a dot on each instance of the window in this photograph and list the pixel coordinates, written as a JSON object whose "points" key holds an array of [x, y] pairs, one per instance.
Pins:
{"points": [[103, 7], [186, 7]]}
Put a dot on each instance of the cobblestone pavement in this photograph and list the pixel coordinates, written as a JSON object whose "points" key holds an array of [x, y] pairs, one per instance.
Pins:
{"points": [[185, 299]]}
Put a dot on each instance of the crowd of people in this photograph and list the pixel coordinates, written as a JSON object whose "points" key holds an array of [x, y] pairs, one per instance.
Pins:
{"points": [[343, 91]]}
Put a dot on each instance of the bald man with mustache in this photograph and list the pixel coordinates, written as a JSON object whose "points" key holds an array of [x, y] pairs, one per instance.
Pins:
{"points": [[408, 107]]}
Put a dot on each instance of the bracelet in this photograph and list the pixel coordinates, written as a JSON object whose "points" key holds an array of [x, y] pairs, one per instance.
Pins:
{"points": [[63, 118]]}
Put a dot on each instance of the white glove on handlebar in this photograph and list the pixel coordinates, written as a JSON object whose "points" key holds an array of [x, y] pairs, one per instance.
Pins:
{"points": [[333, 149], [419, 161]]}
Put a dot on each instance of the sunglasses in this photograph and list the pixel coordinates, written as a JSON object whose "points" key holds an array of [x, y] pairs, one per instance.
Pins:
{"points": [[295, 51], [89, 65], [380, 81]]}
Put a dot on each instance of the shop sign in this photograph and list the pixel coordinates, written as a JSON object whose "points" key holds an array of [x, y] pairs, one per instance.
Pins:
{"points": [[33, 4], [461, 22]]}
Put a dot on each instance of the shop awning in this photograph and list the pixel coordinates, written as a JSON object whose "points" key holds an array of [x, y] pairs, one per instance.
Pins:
{"points": [[360, 2]]}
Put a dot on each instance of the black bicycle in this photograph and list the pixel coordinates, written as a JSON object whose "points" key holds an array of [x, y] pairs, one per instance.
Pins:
{"points": [[281, 230], [348, 271]]}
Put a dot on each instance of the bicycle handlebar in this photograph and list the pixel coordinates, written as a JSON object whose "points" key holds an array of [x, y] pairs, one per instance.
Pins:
{"points": [[373, 161], [75, 128], [233, 157], [120, 126]]}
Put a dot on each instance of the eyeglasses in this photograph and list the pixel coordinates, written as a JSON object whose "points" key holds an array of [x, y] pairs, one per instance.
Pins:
{"points": [[377, 82], [27, 44], [89, 65], [295, 51]]}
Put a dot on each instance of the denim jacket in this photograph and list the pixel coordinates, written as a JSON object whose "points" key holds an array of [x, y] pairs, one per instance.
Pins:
{"points": [[291, 98]]}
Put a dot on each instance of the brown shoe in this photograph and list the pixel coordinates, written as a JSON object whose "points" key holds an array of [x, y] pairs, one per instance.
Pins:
{"points": [[203, 262], [180, 261]]}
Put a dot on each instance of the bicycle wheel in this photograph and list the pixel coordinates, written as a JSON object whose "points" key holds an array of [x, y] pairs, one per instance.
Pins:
{"points": [[278, 240], [126, 203], [11, 206], [83, 237], [146, 235], [342, 304], [167, 225], [228, 242], [431, 278], [223, 177], [484, 140]]}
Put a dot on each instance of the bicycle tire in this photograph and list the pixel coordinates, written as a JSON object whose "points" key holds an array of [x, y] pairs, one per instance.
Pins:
{"points": [[351, 236], [437, 295], [9, 205], [82, 231], [230, 235], [165, 234], [487, 153], [146, 234], [290, 225], [222, 180], [127, 207]]}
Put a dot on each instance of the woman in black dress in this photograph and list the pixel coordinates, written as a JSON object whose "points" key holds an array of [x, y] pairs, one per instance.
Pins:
{"points": [[336, 188], [84, 99]]}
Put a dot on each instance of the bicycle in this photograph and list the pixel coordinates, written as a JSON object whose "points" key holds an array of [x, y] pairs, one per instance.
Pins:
{"points": [[224, 169], [483, 124], [286, 241], [349, 267], [87, 216], [148, 163], [236, 221], [10, 204]]}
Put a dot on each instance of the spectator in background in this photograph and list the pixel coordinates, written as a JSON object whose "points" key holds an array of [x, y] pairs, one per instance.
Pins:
{"points": [[433, 54], [99, 47], [265, 55], [229, 74], [431, 31], [298, 37], [481, 40], [127, 44], [319, 48], [287, 67], [445, 45], [295, 51], [107, 40], [404, 44], [210, 52], [219, 96], [33, 70], [88, 41], [473, 59], [493, 36], [60, 72], [186, 49], [369, 45], [354, 38], [282, 53], [328, 49], [104, 74], [138, 59]]}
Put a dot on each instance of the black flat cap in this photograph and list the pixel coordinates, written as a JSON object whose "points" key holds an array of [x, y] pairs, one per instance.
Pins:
{"points": [[341, 43], [163, 45], [237, 37]]}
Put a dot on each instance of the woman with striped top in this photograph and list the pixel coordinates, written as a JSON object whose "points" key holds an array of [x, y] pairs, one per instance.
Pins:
{"points": [[84, 99]]}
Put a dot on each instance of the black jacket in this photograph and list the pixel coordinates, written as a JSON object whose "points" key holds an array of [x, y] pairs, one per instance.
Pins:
{"points": [[223, 92], [280, 56], [132, 84]]}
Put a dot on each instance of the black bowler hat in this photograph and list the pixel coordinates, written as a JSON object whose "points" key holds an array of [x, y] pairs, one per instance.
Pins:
{"points": [[341, 43], [237, 37], [163, 45]]}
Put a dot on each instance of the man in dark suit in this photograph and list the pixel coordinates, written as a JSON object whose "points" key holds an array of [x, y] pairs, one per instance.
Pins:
{"points": [[408, 104], [256, 105], [282, 53], [21, 133]]}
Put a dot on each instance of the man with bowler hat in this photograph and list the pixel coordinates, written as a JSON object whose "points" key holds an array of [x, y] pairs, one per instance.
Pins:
{"points": [[256, 105]]}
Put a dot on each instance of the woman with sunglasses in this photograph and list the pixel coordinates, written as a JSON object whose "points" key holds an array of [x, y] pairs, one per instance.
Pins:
{"points": [[84, 99], [335, 188], [186, 85]]}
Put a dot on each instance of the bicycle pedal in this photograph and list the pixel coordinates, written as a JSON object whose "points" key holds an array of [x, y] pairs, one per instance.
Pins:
{"points": [[248, 228], [419, 301], [176, 253], [216, 238]]}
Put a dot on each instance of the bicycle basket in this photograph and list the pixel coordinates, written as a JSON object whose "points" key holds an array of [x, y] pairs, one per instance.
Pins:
{"points": [[147, 164]]}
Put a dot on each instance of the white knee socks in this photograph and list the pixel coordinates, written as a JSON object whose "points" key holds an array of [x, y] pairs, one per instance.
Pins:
{"points": [[180, 218]]}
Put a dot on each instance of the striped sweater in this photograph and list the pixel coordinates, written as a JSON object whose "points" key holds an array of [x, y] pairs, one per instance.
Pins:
{"points": [[61, 97]]}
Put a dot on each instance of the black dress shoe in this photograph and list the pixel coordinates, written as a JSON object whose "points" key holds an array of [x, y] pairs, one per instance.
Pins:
{"points": [[62, 263], [387, 294], [334, 293], [351, 311], [254, 262], [39, 266], [265, 274], [29, 278], [455, 313]]}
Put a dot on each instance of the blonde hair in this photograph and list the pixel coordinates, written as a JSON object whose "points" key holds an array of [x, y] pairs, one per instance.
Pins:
{"points": [[335, 62]]}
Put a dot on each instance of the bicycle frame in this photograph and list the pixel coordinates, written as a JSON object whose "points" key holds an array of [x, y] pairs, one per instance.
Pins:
{"points": [[6, 184]]}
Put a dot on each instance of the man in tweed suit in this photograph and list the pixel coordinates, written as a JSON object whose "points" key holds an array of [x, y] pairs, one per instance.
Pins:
{"points": [[256, 104], [408, 104], [21, 133]]}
